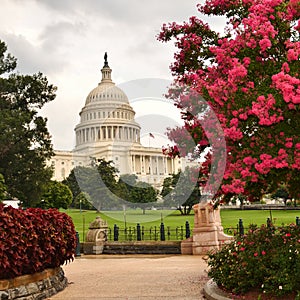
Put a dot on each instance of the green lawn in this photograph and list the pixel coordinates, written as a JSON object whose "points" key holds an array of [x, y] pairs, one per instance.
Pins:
{"points": [[230, 218], [173, 219]]}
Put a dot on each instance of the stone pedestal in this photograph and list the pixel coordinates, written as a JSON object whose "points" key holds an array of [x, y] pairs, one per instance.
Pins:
{"points": [[96, 237], [208, 232]]}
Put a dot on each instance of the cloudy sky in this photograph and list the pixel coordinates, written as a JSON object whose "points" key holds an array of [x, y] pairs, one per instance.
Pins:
{"points": [[66, 40]]}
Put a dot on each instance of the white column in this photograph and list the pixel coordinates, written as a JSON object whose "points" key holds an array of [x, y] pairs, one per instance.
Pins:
{"points": [[150, 165], [133, 163]]}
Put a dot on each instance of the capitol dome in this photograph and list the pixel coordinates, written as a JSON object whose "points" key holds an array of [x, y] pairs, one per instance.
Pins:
{"points": [[106, 89], [106, 115], [106, 92]]}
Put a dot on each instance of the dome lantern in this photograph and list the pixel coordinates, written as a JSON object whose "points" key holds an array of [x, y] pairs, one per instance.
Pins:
{"points": [[106, 71]]}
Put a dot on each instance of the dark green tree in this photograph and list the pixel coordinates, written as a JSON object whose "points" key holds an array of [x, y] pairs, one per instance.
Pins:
{"points": [[2, 188], [57, 195], [282, 193], [99, 181], [83, 201], [126, 185], [143, 194], [181, 190], [137, 192], [25, 143], [71, 181]]}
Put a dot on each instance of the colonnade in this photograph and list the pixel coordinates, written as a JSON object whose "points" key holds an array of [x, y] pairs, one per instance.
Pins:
{"points": [[103, 133], [152, 165]]}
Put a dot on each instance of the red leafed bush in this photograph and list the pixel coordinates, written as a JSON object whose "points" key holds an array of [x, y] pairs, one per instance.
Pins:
{"points": [[34, 239]]}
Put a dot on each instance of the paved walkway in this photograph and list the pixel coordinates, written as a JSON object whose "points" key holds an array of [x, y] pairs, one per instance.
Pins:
{"points": [[135, 277]]}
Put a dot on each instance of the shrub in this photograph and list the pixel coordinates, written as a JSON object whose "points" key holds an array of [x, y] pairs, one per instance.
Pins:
{"points": [[34, 239], [266, 259]]}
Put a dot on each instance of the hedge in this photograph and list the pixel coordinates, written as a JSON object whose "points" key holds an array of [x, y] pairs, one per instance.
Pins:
{"points": [[33, 240]]}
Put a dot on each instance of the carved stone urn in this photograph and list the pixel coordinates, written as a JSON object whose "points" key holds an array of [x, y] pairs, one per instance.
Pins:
{"points": [[96, 237]]}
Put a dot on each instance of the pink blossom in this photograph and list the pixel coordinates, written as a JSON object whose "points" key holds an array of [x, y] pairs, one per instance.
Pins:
{"points": [[249, 160], [265, 44], [246, 61], [292, 55], [289, 144], [285, 68], [233, 133]]}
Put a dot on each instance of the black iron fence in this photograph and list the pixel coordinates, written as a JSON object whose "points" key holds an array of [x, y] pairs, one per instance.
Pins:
{"points": [[240, 229], [154, 233], [167, 233]]}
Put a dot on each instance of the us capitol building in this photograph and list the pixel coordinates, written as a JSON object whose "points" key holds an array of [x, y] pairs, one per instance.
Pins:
{"points": [[108, 130]]}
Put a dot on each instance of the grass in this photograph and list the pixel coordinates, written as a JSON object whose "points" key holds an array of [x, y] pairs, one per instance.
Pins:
{"points": [[173, 219], [230, 218]]}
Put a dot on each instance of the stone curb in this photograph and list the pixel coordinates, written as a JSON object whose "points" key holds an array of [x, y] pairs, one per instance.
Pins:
{"points": [[212, 292], [35, 286]]}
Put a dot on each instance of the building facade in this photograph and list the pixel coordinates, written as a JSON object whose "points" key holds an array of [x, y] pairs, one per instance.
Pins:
{"points": [[108, 130]]}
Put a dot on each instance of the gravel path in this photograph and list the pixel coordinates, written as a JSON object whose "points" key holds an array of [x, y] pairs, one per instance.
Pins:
{"points": [[135, 277]]}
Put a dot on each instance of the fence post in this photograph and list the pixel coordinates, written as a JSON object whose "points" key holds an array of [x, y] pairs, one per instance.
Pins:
{"points": [[77, 244], [241, 227], [162, 232], [297, 221], [169, 232], [187, 230], [116, 233], [138, 232]]}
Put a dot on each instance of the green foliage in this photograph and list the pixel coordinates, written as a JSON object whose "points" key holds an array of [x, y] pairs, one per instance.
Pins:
{"points": [[266, 258], [72, 183], [136, 191], [33, 240], [181, 190], [99, 181], [57, 195], [3, 188], [88, 180], [106, 191], [282, 193], [82, 201], [143, 192], [25, 143]]}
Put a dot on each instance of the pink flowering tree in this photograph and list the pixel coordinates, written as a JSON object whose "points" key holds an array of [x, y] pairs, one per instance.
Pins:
{"points": [[249, 78]]}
